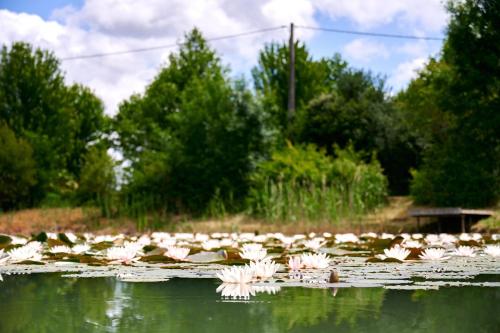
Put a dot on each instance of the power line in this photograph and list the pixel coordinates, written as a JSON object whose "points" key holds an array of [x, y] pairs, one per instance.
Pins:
{"points": [[159, 47], [372, 34]]}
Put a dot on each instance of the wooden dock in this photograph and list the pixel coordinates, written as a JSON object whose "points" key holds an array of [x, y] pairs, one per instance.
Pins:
{"points": [[465, 215]]}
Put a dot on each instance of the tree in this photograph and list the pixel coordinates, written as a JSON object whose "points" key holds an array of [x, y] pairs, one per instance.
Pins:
{"points": [[17, 170], [58, 121], [192, 135], [271, 78], [462, 165]]}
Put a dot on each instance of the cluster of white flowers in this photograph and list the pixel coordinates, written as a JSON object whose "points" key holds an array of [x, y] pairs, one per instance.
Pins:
{"points": [[177, 253], [31, 251], [396, 252], [124, 249]]}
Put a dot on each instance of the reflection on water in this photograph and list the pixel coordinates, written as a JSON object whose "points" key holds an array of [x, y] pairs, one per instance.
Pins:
{"points": [[48, 303], [243, 291]]}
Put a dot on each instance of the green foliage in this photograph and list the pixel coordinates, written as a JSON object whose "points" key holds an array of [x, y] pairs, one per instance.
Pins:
{"points": [[17, 170], [58, 121], [97, 179], [304, 184], [357, 111], [462, 156], [193, 135], [271, 77], [336, 105]]}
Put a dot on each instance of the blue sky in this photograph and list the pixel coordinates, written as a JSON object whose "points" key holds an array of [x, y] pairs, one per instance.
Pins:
{"points": [[80, 27]]}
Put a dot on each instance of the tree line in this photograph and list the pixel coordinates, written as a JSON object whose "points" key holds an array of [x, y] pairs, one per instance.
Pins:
{"points": [[199, 141]]}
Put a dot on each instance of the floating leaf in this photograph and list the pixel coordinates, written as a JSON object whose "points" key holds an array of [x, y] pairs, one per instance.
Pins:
{"points": [[157, 259], [63, 238], [30, 262], [55, 242], [41, 237], [205, 257]]}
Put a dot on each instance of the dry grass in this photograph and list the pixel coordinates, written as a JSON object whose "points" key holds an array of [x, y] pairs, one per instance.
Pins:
{"points": [[32, 221], [391, 218]]}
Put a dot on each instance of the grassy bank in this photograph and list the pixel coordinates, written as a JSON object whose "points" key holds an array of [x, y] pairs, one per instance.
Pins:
{"points": [[391, 218]]}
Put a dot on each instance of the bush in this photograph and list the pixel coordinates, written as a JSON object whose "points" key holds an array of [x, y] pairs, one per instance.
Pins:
{"points": [[455, 174], [303, 183], [17, 169], [97, 179]]}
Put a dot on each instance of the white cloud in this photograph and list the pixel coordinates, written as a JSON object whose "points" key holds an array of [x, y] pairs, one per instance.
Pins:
{"points": [[113, 25], [405, 72], [427, 15], [109, 25], [365, 50]]}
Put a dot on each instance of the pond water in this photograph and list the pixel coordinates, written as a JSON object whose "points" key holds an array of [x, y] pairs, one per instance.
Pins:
{"points": [[51, 303]]}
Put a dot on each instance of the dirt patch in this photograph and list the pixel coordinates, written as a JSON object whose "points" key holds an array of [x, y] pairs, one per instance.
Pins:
{"points": [[32, 221]]}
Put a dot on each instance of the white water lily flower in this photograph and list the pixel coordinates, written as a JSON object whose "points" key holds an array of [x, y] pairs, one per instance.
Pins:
{"points": [[433, 254], [299, 237], [346, 238], [167, 242], [35, 245], [447, 238], [412, 244], [184, 236], [287, 241], [432, 239], [18, 240], [464, 251], [254, 255], [201, 238], [133, 245], [492, 250], [295, 263], [177, 253], [210, 244], [369, 235], [144, 240], [477, 236], [264, 270], [226, 242], [261, 238], [314, 244], [397, 252], [236, 274], [60, 249], [327, 234], [319, 260], [247, 236], [3, 257], [386, 235], [80, 248], [29, 251], [417, 236], [51, 235], [121, 254], [251, 247], [71, 236], [104, 238]]}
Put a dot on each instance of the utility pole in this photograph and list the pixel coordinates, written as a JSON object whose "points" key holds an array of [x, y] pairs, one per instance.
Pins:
{"points": [[291, 79]]}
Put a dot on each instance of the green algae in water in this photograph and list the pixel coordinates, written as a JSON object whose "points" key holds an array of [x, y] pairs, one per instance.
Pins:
{"points": [[51, 303]]}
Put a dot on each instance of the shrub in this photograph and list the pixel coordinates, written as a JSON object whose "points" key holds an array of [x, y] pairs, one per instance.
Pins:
{"points": [[303, 183], [17, 169]]}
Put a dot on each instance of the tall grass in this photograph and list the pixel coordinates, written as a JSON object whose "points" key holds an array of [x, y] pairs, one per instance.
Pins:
{"points": [[312, 187]]}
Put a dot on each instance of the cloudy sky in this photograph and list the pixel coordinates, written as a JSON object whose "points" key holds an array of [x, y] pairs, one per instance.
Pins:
{"points": [[82, 27]]}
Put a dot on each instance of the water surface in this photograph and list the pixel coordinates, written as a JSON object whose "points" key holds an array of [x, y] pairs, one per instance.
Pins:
{"points": [[50, 303]]}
